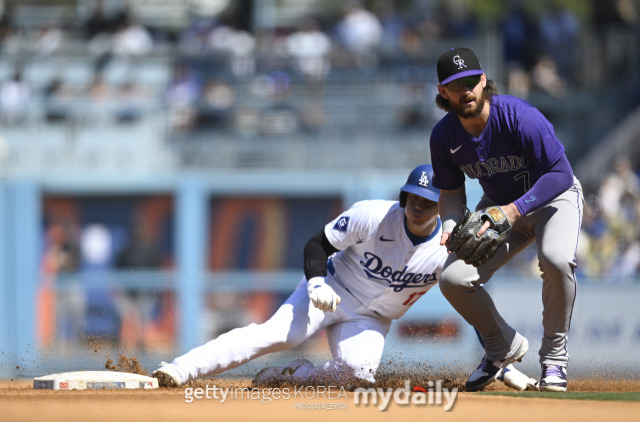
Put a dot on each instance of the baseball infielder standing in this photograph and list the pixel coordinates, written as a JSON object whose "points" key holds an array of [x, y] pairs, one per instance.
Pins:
{"points": [[511, 148]]}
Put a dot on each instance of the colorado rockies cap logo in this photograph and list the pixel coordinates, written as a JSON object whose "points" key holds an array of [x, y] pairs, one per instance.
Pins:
{"points": [[424, 180], [457, 63], [457, 60]]}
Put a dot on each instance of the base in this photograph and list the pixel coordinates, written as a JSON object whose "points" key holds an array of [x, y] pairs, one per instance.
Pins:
{"points": [[94, 380]]}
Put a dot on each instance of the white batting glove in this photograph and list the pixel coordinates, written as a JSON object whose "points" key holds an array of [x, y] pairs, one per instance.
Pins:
{"points": [[322, 295]]}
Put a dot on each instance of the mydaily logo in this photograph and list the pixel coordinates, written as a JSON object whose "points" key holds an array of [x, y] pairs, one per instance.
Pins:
{"points": [[433, 395]]}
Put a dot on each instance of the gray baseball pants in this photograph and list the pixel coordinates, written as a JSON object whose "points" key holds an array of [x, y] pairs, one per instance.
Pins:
{"points": [[555, 228]]}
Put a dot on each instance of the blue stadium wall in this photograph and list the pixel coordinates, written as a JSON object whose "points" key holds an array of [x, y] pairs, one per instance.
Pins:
{"points": [[209, 257]]}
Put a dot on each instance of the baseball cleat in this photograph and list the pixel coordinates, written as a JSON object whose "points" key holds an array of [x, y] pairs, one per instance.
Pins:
{"points": [[554, 378], [167, 375], [515, 379], [489, 370], [277, 374]]}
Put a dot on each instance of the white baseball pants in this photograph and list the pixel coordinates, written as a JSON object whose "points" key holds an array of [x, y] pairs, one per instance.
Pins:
{"points": [[355, 334]]}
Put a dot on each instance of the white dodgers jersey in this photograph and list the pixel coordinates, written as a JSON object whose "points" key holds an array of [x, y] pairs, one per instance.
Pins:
{"points": [[377, 262]]}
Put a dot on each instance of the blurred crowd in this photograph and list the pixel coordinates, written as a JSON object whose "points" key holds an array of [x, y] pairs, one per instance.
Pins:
{"points": [[610, 239], [229, 76], [217, 57]]}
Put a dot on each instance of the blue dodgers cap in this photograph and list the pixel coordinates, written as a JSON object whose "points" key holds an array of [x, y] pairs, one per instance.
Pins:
{"points": [[457, 63], [420, 182]]}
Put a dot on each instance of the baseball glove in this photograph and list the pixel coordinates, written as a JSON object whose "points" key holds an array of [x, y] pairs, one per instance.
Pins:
{"points": [[476, 250]]}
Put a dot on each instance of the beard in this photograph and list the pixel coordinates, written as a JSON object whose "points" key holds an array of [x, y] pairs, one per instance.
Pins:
{"points": [[468, 111]]}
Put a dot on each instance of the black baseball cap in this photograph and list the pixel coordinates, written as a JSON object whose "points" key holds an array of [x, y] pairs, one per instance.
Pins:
{"points": [[458, 63]]}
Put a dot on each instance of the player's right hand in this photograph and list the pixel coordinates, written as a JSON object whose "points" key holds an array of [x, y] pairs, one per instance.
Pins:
{"points": [[444, 240], [322, 295]]}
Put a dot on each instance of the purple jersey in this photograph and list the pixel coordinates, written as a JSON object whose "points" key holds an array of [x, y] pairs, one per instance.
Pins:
{"points": [[515, 149]]}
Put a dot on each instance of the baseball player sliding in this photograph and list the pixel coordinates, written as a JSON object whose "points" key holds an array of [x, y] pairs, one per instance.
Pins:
{"points": [[530, 194], [362, 271]]}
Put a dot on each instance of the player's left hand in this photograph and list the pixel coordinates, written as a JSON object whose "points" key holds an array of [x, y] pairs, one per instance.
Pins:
{"points": [[322, 295]]}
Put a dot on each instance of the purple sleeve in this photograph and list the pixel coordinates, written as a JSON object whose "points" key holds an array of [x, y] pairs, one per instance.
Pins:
{"points": [[539, 139], [551, 184]]}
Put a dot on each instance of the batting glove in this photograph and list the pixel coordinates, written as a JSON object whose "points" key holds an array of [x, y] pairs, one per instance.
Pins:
{"points": [[322, 295]]}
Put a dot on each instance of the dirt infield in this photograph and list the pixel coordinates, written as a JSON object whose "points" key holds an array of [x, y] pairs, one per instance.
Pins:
{"points": [[19, 402]]}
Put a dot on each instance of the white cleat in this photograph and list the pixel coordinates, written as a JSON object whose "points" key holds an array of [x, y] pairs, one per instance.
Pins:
{"points": [[515, 379], [554, 378], [273, 375], [167, 375], [488, 371]]}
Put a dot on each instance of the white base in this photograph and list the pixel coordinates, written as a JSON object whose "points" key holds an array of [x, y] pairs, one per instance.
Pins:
{"points": [[94, 380]]}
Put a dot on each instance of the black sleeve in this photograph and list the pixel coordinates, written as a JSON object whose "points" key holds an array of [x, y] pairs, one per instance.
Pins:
{"points": [[316, 252]]}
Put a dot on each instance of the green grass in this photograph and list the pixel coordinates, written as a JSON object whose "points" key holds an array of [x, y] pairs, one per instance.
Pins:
{"points": [[571, 395]]}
